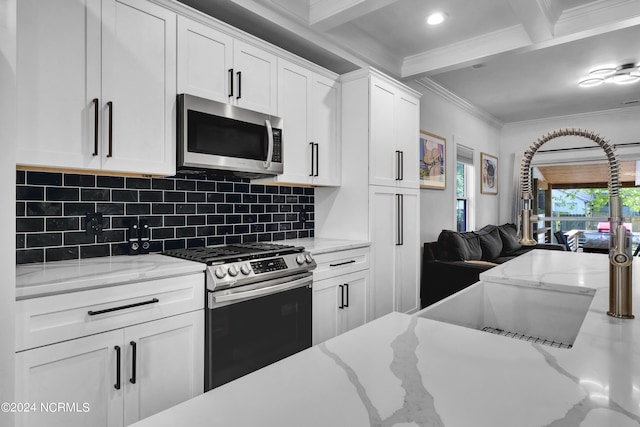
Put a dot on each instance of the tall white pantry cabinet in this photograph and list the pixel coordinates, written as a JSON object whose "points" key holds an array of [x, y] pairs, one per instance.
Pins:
{"points": [[379, 196]]}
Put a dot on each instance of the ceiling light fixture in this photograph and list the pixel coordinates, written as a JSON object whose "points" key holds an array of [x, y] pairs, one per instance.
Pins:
{"points": [[623, 74], [436, 18]]}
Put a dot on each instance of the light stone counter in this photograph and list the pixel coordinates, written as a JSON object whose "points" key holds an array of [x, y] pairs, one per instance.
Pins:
{"points": [[34, 280], [410, 371], [319, 245]]}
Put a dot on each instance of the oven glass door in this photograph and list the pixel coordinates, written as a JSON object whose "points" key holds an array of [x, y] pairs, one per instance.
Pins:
{"points": [[245, 336]]}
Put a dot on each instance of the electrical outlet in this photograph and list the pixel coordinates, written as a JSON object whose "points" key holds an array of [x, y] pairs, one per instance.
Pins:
{"points": [[93, 224]]}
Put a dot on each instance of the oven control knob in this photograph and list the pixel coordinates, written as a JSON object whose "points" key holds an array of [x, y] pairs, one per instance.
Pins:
{"points": [[300, 259], [220, 273], [308, 258], [233, 271], [245, 269]]}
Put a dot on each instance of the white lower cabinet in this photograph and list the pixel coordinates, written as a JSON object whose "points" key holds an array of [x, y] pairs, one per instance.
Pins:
{"points": [[77, 372], [113, 378], [339, 305], [395, 250], [340, 292]]}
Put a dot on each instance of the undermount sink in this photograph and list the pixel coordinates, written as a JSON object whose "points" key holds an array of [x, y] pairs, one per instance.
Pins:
{"points": [[546, 316]]}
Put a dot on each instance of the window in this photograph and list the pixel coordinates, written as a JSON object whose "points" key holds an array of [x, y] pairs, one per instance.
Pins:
{"points": [[464, 188]]}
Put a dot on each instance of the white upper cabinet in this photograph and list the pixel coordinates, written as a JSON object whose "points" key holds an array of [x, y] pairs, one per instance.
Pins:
{"points": [[325, 126], [96, 85], [138, 87], [205, 58], [394, 149], [309, 105], [213, 65], [256, 79], [59, 51], [294, 98]]}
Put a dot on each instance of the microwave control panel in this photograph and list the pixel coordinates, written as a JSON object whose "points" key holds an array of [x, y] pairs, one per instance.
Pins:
{"points": [[277, 145]]}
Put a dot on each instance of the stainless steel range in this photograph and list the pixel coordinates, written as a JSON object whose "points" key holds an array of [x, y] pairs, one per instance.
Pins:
{"points": [[258, 306]]}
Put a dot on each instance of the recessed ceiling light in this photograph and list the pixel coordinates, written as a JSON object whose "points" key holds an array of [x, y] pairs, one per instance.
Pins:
{"points": [[436, 18]]}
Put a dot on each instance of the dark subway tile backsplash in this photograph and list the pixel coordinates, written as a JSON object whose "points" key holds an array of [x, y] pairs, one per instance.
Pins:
{"points": [[182, 211]]}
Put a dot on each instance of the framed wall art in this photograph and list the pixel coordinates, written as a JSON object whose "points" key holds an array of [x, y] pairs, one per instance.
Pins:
{"points": [[432, 161], [488, 174]]}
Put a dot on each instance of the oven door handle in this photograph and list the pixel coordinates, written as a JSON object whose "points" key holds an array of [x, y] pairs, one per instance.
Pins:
{"points": [[278, 287]]}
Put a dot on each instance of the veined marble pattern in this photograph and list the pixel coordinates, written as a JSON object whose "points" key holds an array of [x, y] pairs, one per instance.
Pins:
{"points": [[403, 370], [33, 280]]}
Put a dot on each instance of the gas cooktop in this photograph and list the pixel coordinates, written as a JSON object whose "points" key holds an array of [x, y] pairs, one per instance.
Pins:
{"points": [[247, 263], [233, 253]]}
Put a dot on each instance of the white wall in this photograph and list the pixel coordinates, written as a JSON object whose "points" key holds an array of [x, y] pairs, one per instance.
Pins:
{"points": [[7, 204], [457, 125], [618, 126]]}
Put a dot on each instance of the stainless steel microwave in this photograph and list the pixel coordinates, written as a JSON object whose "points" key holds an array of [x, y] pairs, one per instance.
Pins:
{"points": [[215, 136]]}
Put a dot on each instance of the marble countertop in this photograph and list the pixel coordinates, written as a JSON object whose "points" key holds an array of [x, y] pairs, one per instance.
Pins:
{"points": [[34, 280], [319, 245], [411, 371], [40, 279]]}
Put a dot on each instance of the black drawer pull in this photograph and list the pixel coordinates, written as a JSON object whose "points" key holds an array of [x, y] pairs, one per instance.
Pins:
{"points": [[343, 263], [132, 380], [123, 307], [117, 384]]}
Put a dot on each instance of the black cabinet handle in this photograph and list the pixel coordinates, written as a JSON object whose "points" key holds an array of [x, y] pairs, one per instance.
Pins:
{"points": [[95, 125], [312, 158], [341, 306], [239, 74], [230, 82], [117, 384], [132, 380], [122, 307], [398, 221], [317, 158], [110, 152], [346, 288], [343, 263], [397, 165], [401, 165]]}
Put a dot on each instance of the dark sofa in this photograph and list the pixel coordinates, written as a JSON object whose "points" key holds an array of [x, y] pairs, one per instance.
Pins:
{"points": [[456, 260]]}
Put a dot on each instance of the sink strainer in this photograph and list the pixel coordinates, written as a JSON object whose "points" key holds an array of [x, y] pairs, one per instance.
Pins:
{"points": [[523, 337]]}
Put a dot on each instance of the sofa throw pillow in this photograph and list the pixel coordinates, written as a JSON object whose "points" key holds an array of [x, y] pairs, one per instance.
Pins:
{"points": [[452, 247], [509, 236], [490, 242], [473, 243]]}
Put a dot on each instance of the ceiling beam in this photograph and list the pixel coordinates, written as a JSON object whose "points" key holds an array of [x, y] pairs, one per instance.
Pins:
{"points": [[537, 17], [327, 14], [465, 53]]}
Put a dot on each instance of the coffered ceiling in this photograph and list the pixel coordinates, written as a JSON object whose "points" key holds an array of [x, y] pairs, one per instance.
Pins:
{"points": [[513, 59]]}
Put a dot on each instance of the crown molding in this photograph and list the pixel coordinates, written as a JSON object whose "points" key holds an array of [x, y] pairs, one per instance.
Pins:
{"points": [[577, 115], [605, 15], [458, 101]]}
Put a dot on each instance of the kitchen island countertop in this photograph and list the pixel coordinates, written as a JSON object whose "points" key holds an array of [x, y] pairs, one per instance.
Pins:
{"points": [[412, 371]]}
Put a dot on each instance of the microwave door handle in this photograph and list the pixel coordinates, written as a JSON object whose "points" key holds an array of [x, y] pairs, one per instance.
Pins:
{"points": [[267, 163]]}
